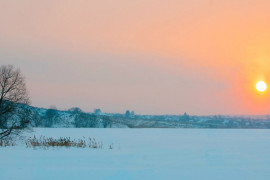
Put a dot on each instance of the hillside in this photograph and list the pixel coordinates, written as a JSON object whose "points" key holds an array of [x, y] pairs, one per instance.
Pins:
{"points": [[76, 118]]}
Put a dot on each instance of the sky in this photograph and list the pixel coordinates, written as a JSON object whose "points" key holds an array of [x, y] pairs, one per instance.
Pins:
{"points": [[202, 57]]}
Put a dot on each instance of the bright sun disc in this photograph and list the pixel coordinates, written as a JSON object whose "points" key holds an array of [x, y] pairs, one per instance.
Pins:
{"points": [[261, 86]]}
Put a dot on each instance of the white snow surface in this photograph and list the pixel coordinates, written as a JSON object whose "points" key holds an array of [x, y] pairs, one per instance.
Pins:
{"points": [[180, 154]]}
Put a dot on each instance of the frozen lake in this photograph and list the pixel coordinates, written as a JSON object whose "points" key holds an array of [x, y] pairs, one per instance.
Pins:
{"points": [[145, 154]]}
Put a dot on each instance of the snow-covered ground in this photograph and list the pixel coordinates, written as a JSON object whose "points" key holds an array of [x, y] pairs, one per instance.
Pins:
{"points": [[145, 154]]}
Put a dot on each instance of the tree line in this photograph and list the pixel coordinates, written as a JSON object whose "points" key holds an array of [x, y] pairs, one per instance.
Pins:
{"points": [[53, 118]]}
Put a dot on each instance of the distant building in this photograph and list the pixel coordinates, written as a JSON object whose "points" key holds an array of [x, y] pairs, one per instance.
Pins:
{"points": [[185, 117], [97, 112], [127, 113]]}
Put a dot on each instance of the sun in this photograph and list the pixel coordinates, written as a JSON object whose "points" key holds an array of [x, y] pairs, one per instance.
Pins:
{"points": [[261, 86]]}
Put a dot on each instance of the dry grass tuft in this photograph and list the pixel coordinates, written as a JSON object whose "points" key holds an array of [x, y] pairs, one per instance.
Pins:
{"points": [[7, 142], [62, 142], [111, 146]]}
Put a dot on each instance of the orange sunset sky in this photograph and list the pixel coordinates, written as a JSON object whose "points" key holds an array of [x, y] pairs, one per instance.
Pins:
{"points": [[152, 56]]}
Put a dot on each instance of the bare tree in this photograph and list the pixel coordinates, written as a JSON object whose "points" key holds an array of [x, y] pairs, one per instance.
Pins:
{"points": [[14, 115]]}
